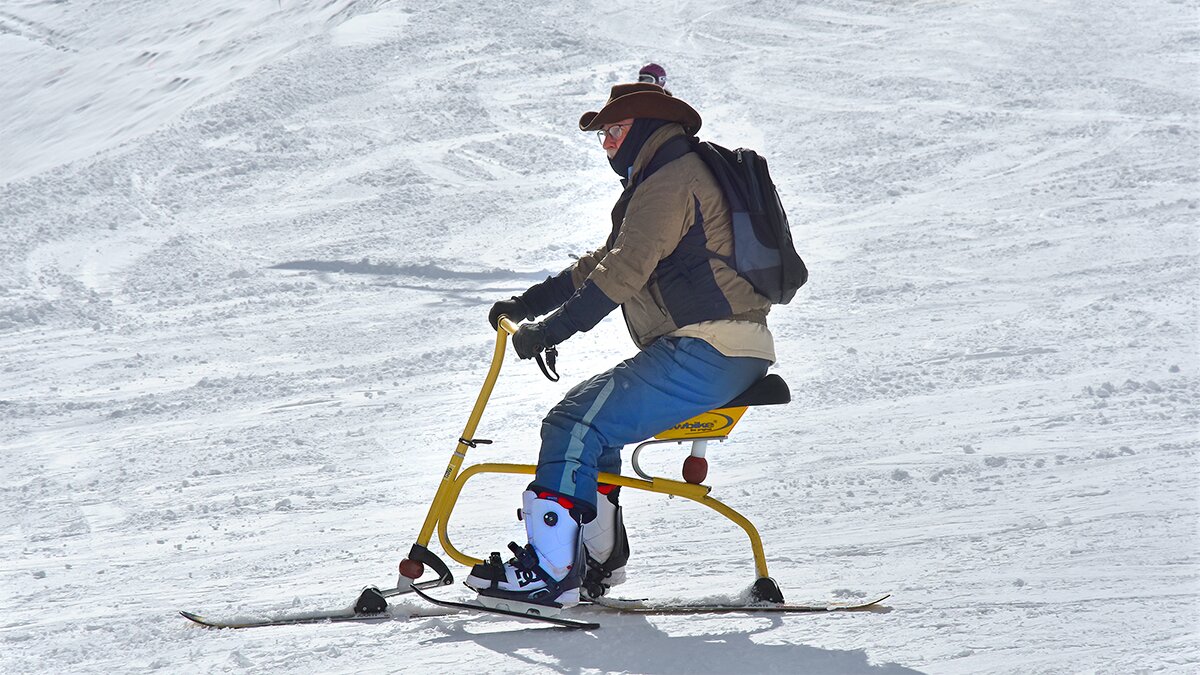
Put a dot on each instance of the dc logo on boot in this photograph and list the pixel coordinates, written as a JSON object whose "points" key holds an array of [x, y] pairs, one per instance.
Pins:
{"points": [[525, 577]]}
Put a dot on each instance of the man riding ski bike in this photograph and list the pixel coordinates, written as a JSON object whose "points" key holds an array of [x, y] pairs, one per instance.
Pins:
{"points": [[700, 327]]}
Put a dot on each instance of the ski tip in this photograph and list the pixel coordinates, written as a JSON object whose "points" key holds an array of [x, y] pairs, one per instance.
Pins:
{"points": [[196, 618], [873, 605]]}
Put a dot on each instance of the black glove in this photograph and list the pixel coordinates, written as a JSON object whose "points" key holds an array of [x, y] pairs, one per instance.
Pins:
{"points": [[530, 340], [514, 308]]}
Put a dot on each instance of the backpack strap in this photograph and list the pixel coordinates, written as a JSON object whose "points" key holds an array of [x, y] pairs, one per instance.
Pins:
{"points": [[669, 152], [712, 160]]}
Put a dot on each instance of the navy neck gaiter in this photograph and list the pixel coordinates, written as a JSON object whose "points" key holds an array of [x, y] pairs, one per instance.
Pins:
{"points": [[635, 138]]}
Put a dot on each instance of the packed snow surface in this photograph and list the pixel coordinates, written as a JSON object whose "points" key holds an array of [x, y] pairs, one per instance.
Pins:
{"points": [[247, 251]]}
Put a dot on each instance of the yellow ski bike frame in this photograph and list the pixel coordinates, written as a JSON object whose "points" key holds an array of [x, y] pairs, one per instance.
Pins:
{"points": [[713, 425]]}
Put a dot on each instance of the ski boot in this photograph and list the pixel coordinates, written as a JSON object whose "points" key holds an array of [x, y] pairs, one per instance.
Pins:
{"points": [[606, 545], [543, 577]]}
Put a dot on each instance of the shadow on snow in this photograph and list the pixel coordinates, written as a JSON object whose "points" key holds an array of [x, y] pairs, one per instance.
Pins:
{"points": [[634, 644]]}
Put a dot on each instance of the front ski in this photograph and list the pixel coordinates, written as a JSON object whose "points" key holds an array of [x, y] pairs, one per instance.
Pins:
{"points": [[337, 616], [557, 621], [371, 606], [642, 607]]}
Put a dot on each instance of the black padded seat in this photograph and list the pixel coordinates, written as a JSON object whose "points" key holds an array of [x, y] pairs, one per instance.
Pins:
{"points": [[771, 390]]}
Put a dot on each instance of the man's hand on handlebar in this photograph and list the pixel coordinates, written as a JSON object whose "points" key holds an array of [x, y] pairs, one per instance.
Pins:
{"points": [[530, 340]]}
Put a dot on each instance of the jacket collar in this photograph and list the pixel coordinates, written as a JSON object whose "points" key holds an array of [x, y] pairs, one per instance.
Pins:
{"points": [[652, 145]]}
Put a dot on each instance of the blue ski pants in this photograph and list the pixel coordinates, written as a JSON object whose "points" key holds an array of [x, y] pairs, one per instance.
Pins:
{"points": [[672, 380]]}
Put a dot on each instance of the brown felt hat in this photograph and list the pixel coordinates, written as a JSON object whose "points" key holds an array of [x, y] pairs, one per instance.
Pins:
{"points": [[641, 99]]}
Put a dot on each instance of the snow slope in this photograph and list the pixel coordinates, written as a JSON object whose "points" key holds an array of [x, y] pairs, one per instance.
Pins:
{"points": [[247, 251]]}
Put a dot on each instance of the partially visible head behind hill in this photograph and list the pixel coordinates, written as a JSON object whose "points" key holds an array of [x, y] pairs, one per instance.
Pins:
{"points": [[654, 74]]}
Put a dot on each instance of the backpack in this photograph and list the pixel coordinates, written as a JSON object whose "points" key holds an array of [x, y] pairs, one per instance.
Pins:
{"points": [[763, 252]]}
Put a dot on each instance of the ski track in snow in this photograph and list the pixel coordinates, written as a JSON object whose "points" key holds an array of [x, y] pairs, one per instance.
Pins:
{"points": [[246, 255]]}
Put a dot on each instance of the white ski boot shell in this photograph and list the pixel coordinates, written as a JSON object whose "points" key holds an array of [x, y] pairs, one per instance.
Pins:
{"points": [[544, 576]]}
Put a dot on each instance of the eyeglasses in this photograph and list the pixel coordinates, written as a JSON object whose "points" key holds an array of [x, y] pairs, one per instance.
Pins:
{"points": [[614, 132]]}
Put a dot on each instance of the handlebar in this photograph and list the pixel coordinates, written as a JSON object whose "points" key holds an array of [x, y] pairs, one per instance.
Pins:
{"points": [[508, 325]]}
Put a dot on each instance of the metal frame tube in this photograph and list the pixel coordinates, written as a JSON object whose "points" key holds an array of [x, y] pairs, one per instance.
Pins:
{"points": [[696, 493], [506, 328]]}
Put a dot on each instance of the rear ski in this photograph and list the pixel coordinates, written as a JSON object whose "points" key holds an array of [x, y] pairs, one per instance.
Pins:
{"points": [[645, 607]]}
